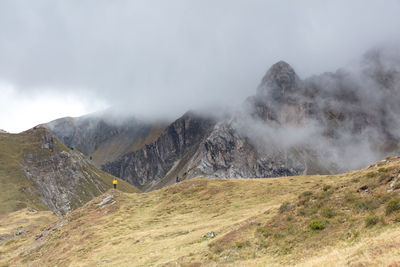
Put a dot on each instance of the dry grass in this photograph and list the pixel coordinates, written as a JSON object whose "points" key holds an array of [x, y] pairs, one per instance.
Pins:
{"points": [[167, 227]]}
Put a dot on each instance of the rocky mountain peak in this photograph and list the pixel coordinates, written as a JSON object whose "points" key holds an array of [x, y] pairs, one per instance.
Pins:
{"points": [[279, 80]]}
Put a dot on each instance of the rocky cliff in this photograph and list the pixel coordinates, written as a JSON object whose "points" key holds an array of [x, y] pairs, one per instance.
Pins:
{"points": [[38, 171], [167, 156]]}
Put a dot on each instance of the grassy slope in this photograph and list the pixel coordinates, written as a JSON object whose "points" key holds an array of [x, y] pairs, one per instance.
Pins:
{"points": [[257, 222], [16, 190]]}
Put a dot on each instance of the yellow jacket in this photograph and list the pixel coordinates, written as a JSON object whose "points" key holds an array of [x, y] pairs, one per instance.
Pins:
{"points": [[115, 182]]}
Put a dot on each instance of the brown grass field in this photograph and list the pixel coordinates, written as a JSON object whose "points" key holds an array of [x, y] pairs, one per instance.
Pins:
{"points": [[337, 220]]}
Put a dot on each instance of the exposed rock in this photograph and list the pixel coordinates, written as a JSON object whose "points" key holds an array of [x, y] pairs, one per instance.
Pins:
{"points": [[19, 232], [32, 210], [105, 201], [171, 151], [363, 188], [209, 235]]}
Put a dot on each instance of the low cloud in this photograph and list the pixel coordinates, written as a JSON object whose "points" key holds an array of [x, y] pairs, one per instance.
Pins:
{"points": [[161, 58]]}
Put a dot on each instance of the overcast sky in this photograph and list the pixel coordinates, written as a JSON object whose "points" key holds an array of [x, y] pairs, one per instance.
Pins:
{"points": [[68, 58]]}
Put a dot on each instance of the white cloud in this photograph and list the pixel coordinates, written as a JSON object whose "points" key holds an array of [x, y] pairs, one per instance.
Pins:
{"points": [[21, 112]]}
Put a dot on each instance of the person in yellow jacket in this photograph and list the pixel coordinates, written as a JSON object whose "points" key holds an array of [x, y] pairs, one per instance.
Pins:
{"points": [[115, 182]]}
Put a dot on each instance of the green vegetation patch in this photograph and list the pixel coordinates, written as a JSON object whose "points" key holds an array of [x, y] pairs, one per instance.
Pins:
{"points": [[392, 206], [318, 224]]}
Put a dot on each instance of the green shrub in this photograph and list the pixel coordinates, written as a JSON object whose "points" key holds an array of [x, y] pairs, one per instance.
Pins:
{"points": [[317, 224], [371, 220], [285, 207], [392, 206]]}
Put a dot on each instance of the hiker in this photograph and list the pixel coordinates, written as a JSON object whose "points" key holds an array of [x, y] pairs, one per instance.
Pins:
{"points": [[178, 180], [115, 182]]}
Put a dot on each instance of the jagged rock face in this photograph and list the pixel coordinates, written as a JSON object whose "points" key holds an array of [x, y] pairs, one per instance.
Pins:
{"points": [[156, 161], [196, 146], [278, 84], [225, 153]]}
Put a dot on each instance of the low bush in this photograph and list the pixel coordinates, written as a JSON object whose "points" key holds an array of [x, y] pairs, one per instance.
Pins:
{"points": [[317, 224], [392, 206], [371, 220]]}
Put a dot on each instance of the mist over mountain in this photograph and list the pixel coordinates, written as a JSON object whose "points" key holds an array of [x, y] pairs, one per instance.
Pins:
{"points": [[326, 123], [152, 58]]}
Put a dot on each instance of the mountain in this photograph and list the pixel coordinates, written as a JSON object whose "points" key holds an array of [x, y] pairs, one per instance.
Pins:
{"points": [[289, 127], [104, 138], [39, 172], [350, 219]]}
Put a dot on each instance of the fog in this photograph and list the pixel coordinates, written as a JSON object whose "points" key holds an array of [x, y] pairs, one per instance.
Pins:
{"points": [[337, 121], [161, 58]]}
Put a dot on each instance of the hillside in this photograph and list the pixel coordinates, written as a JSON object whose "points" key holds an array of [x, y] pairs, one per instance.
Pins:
{"points": [[352, 219], [39, 172]]}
